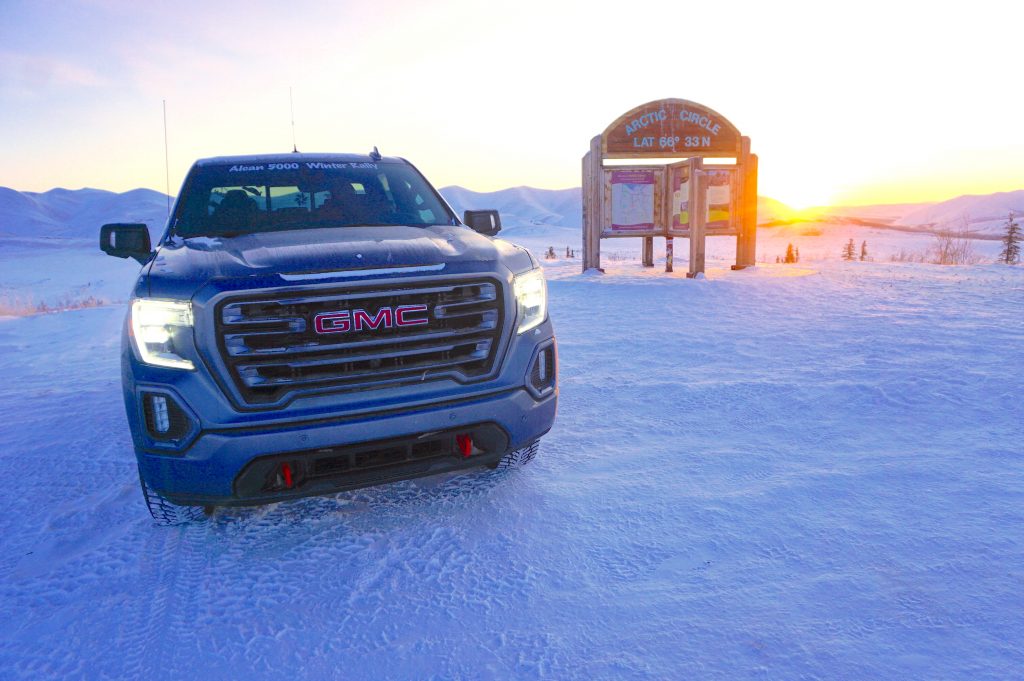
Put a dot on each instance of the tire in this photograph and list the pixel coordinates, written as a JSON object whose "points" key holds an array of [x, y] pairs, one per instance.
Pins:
{"points": [[164, 512], [519, 457]]}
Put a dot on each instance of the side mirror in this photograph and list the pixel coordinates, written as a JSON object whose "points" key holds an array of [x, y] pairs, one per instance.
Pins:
{"points": [[126, 240], [487, 222]]}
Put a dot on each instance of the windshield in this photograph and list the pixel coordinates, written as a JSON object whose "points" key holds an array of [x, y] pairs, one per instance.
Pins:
{"points": [[240, 199]]}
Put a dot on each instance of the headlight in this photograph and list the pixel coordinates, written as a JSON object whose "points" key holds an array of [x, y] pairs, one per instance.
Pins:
{"points": [[157, 328], [532, 296]]}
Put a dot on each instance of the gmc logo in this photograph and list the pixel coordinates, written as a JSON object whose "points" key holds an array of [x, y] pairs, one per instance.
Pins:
{"points": [[344, 321]]}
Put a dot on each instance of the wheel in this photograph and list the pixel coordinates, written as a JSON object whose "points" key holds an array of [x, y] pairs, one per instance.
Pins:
{"points": [[518, 457], [166, 513]]}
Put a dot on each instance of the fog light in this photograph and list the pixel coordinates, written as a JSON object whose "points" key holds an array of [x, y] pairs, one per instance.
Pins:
{"points": [[161, 420], [542, 373], [165, 419]]}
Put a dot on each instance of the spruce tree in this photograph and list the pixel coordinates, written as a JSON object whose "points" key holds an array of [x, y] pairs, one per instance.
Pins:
{"points": [[789, 254], [863, 250], [1011, 243], [796, 256], [849, 250]]}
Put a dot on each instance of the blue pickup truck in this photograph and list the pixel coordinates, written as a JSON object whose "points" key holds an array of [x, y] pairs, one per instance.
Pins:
{"points": [[312, 323]]}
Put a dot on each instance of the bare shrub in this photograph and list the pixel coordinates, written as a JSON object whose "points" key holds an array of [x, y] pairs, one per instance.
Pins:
{"points": [[12, 305], [954, 247], [903, 255], [24, 306]]}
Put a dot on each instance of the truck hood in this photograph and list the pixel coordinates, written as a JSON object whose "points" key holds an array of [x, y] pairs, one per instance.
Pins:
{"points": [[182, 266]]}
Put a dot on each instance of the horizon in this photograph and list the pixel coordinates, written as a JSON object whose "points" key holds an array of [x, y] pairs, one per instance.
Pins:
{"points": [[808, 210], [82, 88]]}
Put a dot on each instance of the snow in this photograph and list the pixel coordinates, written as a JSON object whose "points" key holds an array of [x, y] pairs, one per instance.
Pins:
{"points": [[809, 471], [34, 272]]}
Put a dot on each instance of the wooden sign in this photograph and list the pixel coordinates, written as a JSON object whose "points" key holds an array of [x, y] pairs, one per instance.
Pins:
{"points": [[670, 128], [687, 198]]}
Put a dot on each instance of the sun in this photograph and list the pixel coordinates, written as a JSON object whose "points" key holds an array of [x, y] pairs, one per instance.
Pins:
{"points": [[801, 189], [804, 198]]}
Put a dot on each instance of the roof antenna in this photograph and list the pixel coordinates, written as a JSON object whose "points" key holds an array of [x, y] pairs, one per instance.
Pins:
{"points": [[291, 101], [167, 163], [375, 155]]}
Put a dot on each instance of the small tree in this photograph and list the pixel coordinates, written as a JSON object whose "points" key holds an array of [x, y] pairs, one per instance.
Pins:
{"points": [[863, 250], [1011, 242], [796, 256], [849, 251], [790, 256]]}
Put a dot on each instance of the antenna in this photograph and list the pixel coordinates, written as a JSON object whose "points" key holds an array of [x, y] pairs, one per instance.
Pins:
{"points": [[167, 163], [291, 101]]}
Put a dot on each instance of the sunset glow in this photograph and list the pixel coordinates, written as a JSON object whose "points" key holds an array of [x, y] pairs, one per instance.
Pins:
{"points": [[869, 104]]}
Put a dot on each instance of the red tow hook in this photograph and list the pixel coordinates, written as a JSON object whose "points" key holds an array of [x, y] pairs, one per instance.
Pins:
{"points": [[286, 473], [465, 444]]}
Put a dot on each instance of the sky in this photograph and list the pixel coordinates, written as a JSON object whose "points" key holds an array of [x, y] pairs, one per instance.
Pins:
{"points": [[845, 103]]}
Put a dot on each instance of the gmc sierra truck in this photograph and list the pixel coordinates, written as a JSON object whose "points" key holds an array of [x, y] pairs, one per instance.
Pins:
{"points": [[313, 323]]}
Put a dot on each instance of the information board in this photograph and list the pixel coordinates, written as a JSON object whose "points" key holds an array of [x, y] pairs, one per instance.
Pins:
{"points": [[632, 198], [679, 196], [719, 201]]}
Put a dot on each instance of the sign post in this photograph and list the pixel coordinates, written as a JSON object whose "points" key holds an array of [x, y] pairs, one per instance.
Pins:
{"points": [[688, 198]]}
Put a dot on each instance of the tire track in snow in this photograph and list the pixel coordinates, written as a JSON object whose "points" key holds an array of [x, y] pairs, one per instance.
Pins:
{"points": [[164, 618]]}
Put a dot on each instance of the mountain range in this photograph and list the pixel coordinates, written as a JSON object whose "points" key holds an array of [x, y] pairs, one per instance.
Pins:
{"points": [[77, 214]]}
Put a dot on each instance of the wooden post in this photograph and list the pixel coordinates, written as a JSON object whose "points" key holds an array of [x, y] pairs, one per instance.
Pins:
{"points": [[669, 253], [648, 251], [746, 239], [750, 214], [698, 221], [742, 163], [593, 195]]}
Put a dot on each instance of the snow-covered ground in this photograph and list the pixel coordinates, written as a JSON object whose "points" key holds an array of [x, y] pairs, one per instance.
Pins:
{"points": [[50, 272], [809, 471]]}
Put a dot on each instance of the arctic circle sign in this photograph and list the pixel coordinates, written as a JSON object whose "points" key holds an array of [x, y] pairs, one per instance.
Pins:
{"points": [[670, 128], [694, 177]]}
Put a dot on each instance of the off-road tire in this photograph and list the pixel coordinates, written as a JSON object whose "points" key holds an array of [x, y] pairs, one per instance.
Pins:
{"points": [[164, 512], [518, 457]]}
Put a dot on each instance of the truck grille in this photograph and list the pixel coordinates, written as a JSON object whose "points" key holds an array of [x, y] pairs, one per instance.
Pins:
{"points": [[274, 346]]}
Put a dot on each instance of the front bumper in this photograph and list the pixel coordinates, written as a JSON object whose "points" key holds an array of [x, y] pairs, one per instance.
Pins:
{"points": [[209, 471]]}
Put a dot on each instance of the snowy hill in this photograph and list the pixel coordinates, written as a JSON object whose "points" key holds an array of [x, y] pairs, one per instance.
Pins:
{"points": [[522, 206], [885, 212], [770, 209], [78, 213], [985, 214]]}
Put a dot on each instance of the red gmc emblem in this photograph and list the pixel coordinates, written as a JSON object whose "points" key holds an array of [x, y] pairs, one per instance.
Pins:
{"points": [[344, 321]]}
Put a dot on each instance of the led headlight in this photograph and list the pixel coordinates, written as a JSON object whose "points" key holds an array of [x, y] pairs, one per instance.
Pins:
{"points": [[532, 296], [156, 327]]}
